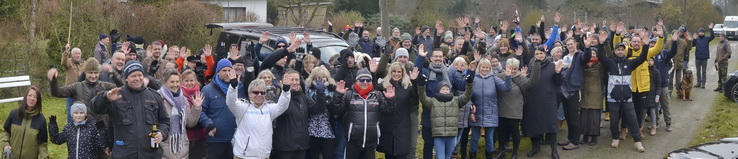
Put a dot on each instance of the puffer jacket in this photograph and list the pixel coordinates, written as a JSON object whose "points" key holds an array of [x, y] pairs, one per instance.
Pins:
{"points": [[132, 118], [640, 77], [26, 136], [485, 98], [83, 141], [619, 71], [445, 115], [253, 137], [511, 103], [81, 92], [361, 116], [291, 132]]}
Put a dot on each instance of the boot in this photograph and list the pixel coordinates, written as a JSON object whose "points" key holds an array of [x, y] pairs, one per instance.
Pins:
{"points": [[536, 147], [554, 154], [607, 116], [593, 140], [615, 143], [653, 130], [488, 155], [472, 155], [515, 153], [464, 155], [623, 133], [585, 139], [561, 123], [639, 147], [501, 155], [643, 136]]}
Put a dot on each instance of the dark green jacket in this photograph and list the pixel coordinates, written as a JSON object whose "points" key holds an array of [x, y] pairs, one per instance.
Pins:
{"points": [[26, 136]]}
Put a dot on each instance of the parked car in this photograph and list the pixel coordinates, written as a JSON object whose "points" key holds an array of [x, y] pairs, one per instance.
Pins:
{"points": [[719, 29], [731, 27], [724, 148], [730, 87], [329, 43]]}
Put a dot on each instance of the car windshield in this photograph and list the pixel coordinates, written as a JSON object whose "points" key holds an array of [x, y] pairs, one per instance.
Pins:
{"points": [[731, 24]]}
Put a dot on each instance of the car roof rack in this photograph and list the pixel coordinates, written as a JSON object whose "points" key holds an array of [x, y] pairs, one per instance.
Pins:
{"points": [[284, 31]]}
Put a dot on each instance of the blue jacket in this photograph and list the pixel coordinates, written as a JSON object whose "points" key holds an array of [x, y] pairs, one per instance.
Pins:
{"points": [[485, 98], [702, 44], [215, 111], [431, 88], [662, 63], [574, 75]]}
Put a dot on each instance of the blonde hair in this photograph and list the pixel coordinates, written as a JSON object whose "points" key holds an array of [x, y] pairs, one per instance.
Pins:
{"points": [[459, 60], [192, 73], [405, 81], [319, 72], [360, 59], [310, 59], [483, 61]]}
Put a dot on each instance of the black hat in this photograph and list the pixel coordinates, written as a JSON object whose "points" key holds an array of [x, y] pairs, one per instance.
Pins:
{"points": [[193, 58]]}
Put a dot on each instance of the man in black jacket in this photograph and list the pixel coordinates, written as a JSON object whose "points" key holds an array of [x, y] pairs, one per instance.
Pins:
{"points": [[291, 138]]}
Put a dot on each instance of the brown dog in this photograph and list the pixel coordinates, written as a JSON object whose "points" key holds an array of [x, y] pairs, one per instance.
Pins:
{"points": [[687, 82]]}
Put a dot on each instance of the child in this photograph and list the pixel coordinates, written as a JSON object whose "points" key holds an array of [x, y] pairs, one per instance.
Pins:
{"points": [[85, 137], [444, 114], [652, 98]]}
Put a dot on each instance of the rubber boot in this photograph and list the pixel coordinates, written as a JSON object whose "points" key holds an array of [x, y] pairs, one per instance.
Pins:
{"points": [[536, 147]]}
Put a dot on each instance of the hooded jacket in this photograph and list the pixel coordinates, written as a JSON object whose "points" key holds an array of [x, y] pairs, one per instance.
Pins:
{"points": [[26, 136], [291, 132], [445, 115], [619, 71], [345, 73], [83, 140], [361, 116], [662, 62], [132, 118], [215, 112], [253, 136], [640, 76], [485, 91], [702, 46], [511, 103]]}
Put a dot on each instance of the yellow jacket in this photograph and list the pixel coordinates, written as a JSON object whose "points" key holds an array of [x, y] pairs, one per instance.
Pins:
{"points": [[640, 76]]}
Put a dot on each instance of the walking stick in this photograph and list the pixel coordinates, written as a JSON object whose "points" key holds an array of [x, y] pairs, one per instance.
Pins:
{"points": [[69, 30]]}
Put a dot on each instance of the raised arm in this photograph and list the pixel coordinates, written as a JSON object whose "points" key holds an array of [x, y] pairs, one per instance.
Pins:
{"points": [[282, 104]]}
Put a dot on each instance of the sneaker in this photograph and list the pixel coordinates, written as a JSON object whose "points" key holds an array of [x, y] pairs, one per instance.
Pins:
{"points": [[653, 130], [564, 142], [615, 143], [639, 147], [718, 89], [570, 146], [669, 128]]}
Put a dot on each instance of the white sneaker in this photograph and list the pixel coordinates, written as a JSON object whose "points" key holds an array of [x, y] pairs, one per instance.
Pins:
{"points": [[615, 143], [639, 147]]}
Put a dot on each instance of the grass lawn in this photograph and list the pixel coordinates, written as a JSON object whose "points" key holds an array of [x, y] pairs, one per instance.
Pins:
{"points": [[51, 106], [721, 122]]}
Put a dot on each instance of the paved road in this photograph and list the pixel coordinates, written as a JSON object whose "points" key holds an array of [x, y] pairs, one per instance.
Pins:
{"points": [[687, 117]]}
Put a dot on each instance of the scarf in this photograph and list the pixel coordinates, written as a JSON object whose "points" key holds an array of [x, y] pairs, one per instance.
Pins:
{"points": [[177, 118], [363, 92], [444, 97], [222, 85], [593, 61], [436, 70], [189, 93]]}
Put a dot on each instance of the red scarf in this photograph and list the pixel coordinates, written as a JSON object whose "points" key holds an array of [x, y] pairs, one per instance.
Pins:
{"points": [[189, 93], [363, 92], [593, 61]]}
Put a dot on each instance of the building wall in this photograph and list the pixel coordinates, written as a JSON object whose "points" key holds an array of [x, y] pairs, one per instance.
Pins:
{"points": [[233, 10], [286, 17]]}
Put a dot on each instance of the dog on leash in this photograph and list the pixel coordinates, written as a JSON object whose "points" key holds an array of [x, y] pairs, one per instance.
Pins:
{"points": [[687, 82]]}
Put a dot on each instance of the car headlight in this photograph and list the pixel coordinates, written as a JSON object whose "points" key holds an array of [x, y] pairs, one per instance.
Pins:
{"points": [[731, 74]]}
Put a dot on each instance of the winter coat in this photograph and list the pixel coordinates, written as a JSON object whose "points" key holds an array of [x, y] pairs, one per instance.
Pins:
{"points": [[444, 115], [345, 73], [426, 41], [395, 127], [319, 125], [464, 111], [385, 61], [702, 46], [216, 112], [641, 78], [253, 137], [592, 94], [361, 116], [485, 98], [432, 87], [573, 76], [73, 68], [682, 53], [83, 141], [723, 52], [101, 52], [539, 111], [191, 114], [291, 132], [81, 92], [655, 87], [662, 62], [367, 46], [132, 118], [161, 63], [26, 136], [511, 103], [619, 71]]}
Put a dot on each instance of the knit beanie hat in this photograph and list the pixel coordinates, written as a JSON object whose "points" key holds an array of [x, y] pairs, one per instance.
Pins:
{"points": [[77, 107], [102, 36], [406, 36], [91, 65], [401, 52], [444, 49], [132, 66], [363, 73], [223, 63], [449, 34]]}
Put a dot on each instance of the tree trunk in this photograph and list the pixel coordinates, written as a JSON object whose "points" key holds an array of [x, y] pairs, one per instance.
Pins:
{"points": [[385, 18]]}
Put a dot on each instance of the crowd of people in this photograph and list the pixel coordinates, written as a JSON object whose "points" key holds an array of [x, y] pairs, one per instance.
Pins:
{"points": [[499, 82]]}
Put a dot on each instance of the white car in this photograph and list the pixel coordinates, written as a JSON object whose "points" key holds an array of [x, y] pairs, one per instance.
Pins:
{"points": [[718, 29]]}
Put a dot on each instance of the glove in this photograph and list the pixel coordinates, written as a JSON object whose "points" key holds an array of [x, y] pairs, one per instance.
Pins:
{"points": [[421, 80], [470, 77], [209, 127], [52, 119], [285, 88], [331, 88], [100, 125], [319, 85]]}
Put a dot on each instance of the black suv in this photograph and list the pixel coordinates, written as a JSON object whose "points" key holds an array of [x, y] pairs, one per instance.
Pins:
{"points": [[730, 87], [244, 34]]}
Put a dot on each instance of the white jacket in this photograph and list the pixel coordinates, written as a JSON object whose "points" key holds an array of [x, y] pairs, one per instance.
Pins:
{"points": [[253, 138]]}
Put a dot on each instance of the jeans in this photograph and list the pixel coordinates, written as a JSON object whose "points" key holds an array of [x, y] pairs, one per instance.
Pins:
{"points": [[560, 114], [462, 140], [627, 111], [571, 112], [70, 101], [489, 133], [701, 71], [664, 100], [444, 146], [340, 140]]}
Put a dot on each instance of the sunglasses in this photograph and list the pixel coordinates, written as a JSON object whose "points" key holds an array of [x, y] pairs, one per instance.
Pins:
{"points": [[365, 80], [258, 92]]}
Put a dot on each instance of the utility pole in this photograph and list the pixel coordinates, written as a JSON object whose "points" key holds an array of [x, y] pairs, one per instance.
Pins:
{"points": [[385, 18]]}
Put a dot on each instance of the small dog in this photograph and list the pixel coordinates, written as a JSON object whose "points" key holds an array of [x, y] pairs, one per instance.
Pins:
{"points": [[687, 82]]}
